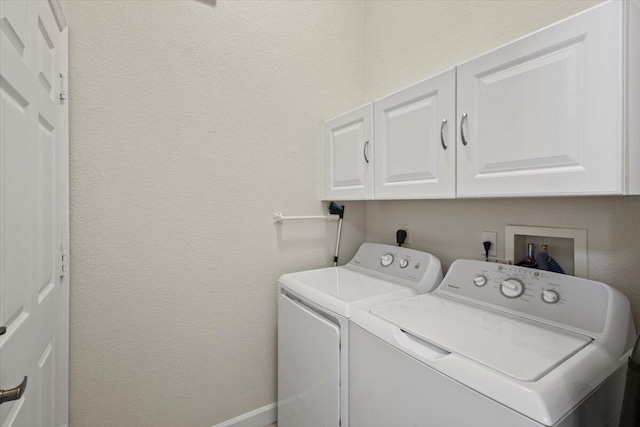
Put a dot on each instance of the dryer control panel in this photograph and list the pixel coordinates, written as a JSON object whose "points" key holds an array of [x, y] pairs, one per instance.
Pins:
{"points": [[547, 296], [420, 270]]}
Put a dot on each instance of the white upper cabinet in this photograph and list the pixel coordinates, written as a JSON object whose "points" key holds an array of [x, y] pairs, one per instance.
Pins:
{"points": [[553, 113], [545, 115], [415, 140], [349, 155]]}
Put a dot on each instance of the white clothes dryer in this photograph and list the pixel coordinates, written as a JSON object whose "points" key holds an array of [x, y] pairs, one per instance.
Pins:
{"points": [[494, 345], [313, 326]]}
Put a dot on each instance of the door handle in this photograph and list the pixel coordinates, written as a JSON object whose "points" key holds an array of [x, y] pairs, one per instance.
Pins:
{"points": [[364, 151], [14, 393], [444, 122], [464, 140]]}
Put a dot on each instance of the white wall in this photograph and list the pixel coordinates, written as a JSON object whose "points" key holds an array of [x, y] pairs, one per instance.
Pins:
{"points": [[191, 123], [408, 41]]}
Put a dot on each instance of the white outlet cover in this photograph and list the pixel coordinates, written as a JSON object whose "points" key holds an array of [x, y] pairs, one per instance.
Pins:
{"points": [[491, 236]]}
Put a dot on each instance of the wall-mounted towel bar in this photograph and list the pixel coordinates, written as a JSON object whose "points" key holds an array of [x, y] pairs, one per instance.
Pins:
{"points": [[278, 217]]}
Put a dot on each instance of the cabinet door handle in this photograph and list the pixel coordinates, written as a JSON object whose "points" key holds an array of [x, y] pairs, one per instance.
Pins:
{"points": [[444, 122], [14, 393], [364, 151], [464, 140]]}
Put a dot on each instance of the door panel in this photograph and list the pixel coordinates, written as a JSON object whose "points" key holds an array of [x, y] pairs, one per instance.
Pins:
{"points": [[346, 143], [548, 137], [33, 157], [16, 415], [407, 126], [308, 367], [15, 25], [46, 384], [48, 233], [413, 159], [46, 55], [15, 221], [538, 114], [349, 155]]}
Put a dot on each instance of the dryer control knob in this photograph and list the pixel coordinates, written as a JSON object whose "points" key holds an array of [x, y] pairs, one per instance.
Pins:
{"points": [[512, 288], [386, 260], [404, 263], [549, 296], [480, 280]]}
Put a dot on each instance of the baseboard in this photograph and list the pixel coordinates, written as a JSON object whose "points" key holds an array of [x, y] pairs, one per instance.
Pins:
{"points": [[260, 417]]}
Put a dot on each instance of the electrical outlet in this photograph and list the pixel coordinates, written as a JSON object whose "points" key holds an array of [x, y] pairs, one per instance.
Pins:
{"points": [[492, 237], [406, 228]]}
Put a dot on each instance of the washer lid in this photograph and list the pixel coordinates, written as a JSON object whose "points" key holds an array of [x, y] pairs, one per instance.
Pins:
{"points": [[342, 290], [518, 347]]}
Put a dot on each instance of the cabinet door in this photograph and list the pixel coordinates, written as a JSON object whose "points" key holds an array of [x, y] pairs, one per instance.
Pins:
{"points": [[349, 155], [415, 140], [544, 113]]}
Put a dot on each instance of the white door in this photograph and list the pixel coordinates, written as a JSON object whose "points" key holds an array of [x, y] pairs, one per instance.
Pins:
{"points": [[542, 115], [349, 155], [33, 214], [308, 367], [415, 140]]}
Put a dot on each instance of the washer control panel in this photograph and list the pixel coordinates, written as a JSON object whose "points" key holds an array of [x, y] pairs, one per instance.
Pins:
{"points": [[555, 297]]}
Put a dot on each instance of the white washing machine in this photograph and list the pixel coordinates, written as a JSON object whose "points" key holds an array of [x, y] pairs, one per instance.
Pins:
{"points": [[493, 346], [313, 326]]}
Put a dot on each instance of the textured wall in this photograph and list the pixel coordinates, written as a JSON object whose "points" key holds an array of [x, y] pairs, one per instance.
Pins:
{"points": [[407, 42], [191, 123]]}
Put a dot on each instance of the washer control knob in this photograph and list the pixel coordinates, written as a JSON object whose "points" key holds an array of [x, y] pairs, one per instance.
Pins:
{"points": [[549, 296], [512, 288], [386, 260], [404, 263], [480, 280]]}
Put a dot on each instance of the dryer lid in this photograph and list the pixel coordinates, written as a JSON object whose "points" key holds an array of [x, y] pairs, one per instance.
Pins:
{"points": [[343, 290], [518, 347]]}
